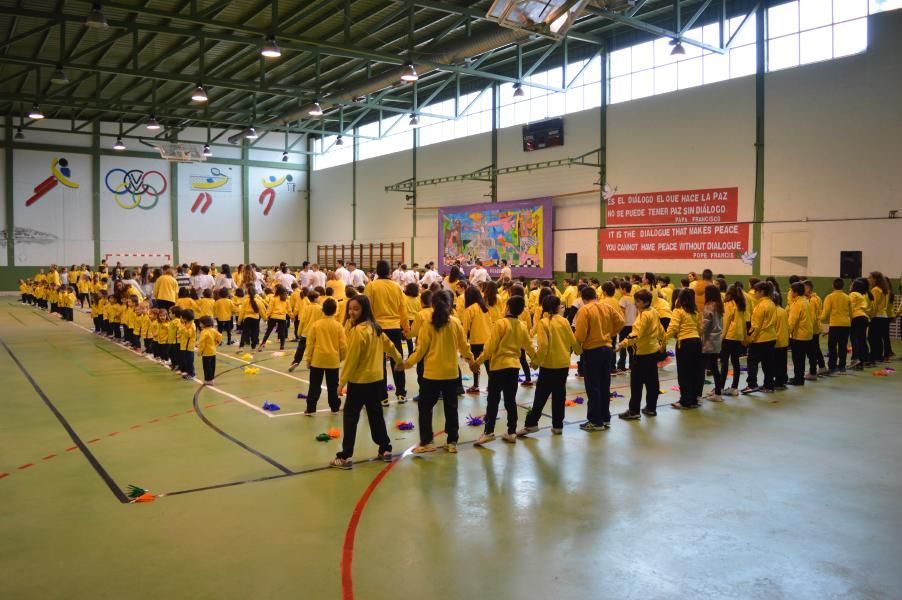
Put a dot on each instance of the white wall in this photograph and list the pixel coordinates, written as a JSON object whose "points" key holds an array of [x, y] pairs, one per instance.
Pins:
{"points": [[833, 141], [277, 216]]}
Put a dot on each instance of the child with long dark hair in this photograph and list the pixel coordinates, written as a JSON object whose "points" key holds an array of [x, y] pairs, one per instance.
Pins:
{"points": [[362, 373], [278, 315], [735, 337], [781, 345], [685, 327], [249, 317], [763, 339], [508, 339], [517, 290], [439, 343], [878, 333], [647, 336], [712, 341], [860, 299], [817, 366], [556, 343], [800, 333], [477, 326]]}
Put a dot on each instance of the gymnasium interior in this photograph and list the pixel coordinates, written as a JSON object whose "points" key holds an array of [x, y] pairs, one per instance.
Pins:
{"points": [[752, 138]]}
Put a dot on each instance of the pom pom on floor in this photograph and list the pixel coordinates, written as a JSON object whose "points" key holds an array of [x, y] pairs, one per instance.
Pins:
{"points": [[247, 356], [474, 421], [579, 400], [569, 403], [616, 395], [302, 395], [335, 433], [139, 494], [278, 353], [390, 387], [271, 406], [323, 437], [675, 388], [251, 370], [404, 425]]}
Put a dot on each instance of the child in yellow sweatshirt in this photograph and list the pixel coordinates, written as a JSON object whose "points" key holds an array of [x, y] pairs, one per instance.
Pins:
{"points": [[206, 345], [187, 337], [326, 348]]}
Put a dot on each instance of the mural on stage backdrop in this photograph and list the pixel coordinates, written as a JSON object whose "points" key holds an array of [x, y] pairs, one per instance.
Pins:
{"points": [[519, 232], [52, 209], [683, 224], [135, 208]]}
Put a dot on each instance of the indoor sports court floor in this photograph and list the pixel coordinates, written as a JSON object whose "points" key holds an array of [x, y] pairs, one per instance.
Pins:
{"points": [[795, 495]]}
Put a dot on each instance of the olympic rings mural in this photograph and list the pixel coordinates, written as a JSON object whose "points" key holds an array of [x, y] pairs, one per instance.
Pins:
{"points": [[131, 188]]}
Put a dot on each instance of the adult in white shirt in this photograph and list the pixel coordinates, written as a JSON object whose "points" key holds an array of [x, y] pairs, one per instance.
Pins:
{"points": [[304, 275], [317, 277], [358, 277], [256, 277], [478, 274], [505, 271], [224, 279], [410, 276], [284, 277], [431, 275], [342, 273], [398, 274], [203, 280]]}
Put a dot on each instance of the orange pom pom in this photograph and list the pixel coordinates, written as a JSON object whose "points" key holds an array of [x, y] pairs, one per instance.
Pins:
{"points": [[335, 433]]}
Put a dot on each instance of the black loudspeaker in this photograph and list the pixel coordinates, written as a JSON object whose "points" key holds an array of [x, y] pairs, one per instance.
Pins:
{"points": [[850, 264], [572, 267]]}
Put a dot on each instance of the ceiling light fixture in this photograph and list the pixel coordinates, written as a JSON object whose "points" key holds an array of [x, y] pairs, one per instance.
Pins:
{"points": [[199, 94], [316, 110], [413, 120], [35, 112], [119, 145], [19, 135], [409, 74], [339, 141], [207, 151], [678, 49], [152, 123], [95, 19], [518, 90], [251, 133], [59, 76], [270, 48], [285, 157]]}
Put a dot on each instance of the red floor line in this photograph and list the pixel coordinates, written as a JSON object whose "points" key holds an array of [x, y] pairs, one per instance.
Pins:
{"points": [[25, 466], [72, 449], [92, 441], [347, 552], [2, 475], [49, 456], [189, 411], [154, 421], [135, 427], [112, 434], [175, 415]]}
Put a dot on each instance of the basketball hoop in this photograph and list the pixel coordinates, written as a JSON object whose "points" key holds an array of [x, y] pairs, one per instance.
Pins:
{"points": [[179, 152]]}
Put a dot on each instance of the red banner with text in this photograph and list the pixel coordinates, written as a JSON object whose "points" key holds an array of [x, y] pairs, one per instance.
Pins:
{"points": [[714, 205], [702, 242]]}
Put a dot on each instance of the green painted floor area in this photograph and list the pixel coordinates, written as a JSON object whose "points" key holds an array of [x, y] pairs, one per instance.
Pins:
{"points": [[796, 495]]}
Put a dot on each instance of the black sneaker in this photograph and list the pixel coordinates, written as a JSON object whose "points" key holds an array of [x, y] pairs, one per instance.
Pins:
{"points": [[795, 382], [628, 416], [649, 413]]}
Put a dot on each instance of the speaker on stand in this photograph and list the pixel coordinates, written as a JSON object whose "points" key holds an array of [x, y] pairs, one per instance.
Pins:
{"points": [[571, 264], [850, 264]]}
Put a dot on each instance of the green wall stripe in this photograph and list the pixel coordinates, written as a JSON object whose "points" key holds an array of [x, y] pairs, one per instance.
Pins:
{"points": [[8, 193]]}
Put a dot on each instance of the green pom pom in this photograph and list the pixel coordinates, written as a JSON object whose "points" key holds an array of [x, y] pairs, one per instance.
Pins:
{"points": [[135, 491], [323, 437]]}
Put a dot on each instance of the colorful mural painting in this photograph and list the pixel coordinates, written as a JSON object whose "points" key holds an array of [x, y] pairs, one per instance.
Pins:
{"points": [[518, 232]]}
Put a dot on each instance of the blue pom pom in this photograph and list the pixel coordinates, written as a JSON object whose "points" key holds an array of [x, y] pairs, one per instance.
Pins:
{"points": [[302, 395], [579, 399], [271, 407], [616, 395], [390, 387], [670, 353], [474, 421]]}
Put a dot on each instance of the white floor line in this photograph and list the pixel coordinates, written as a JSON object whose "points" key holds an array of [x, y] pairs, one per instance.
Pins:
{"points": [[323, 386], [195, 379], [321, 410]]}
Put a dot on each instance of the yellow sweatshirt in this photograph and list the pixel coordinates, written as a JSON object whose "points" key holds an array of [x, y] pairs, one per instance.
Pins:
{"points": [[223, 309], [172, 331], [166, 288], [596, 324], [764, 321], [312, 314], [278, 309], [327, 344], [662, 307], [438, 349], [782, 329], [209, 340], [569, 296], [800, 325], [188, 304], [647, 334], [556, 342], [477, 324], [684, 326], [502, 351], [734, 321], [422, 317], [247, 310], [880, 302], [837, 309], [366, 354], [859, 305], [187, 335], [389, 308]]}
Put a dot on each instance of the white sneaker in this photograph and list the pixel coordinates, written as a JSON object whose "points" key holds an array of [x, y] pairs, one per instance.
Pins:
{"points": [[510, 438], [557, 431], [715, 398], [732, 392], [484, 439], [523, 432]]}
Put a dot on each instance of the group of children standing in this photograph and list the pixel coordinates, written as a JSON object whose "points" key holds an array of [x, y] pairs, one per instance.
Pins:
{"points": [[344, 334]]}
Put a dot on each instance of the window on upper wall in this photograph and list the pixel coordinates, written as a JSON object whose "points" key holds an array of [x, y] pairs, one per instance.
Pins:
{"points": [[806, 31], [648, 68], [877, 6], [329, 154]]}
